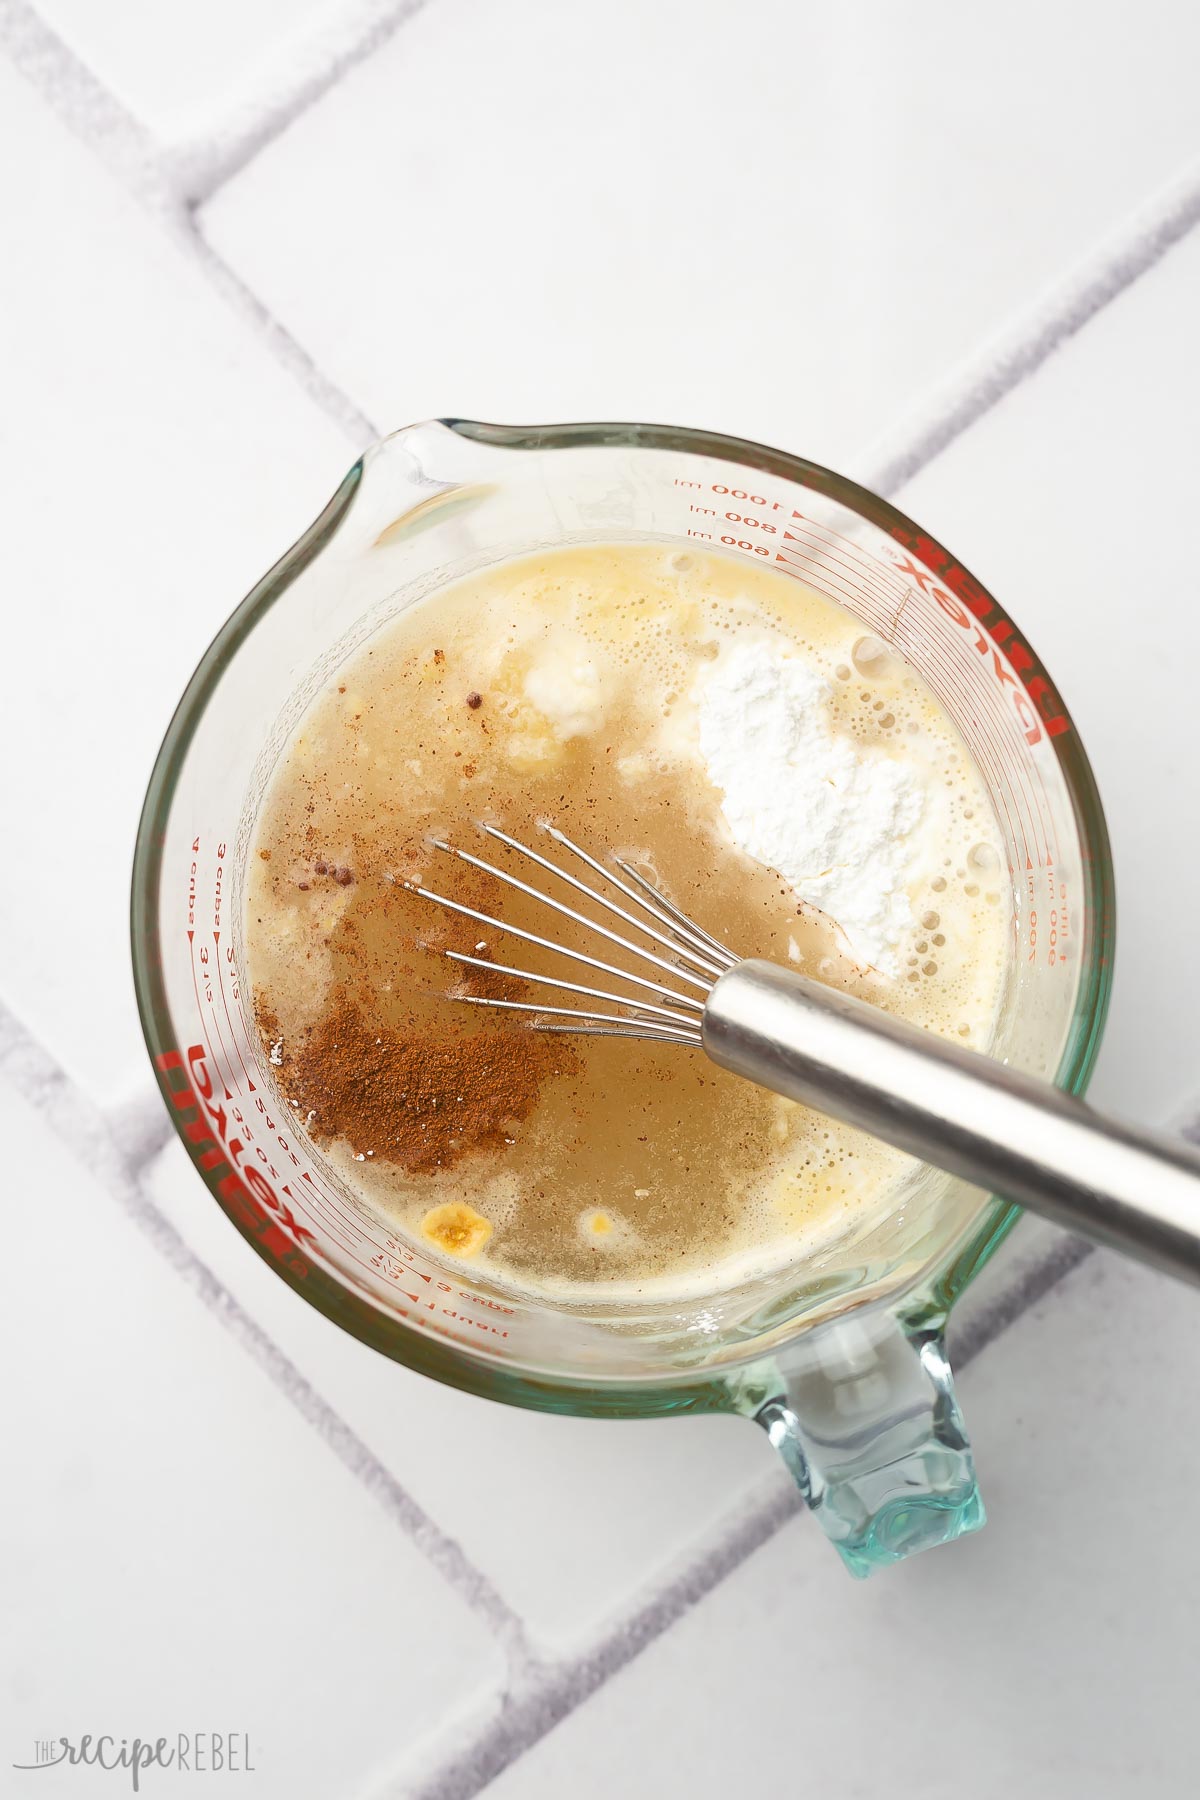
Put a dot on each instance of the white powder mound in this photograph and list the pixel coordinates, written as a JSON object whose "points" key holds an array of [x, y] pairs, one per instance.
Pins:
{"points": [[835, 818], [566, 685]]}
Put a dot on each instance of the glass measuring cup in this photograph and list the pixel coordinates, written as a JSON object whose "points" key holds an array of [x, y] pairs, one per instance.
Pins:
{"points": [[841, 1359]]}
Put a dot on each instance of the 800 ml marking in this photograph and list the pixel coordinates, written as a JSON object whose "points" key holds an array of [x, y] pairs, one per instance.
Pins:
{"points": [[734, 518]]}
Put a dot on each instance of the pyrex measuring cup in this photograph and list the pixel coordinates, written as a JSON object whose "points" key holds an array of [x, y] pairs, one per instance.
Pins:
{"points": [[841, 1359]]}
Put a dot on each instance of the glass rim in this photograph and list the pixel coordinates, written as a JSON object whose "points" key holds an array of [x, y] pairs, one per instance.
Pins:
{"points": [[472, 1372]]}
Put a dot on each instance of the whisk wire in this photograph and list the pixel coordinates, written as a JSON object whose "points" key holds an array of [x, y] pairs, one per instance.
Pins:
{"points": [[676, 1022], [573, 987], [686, 939], [629, 1027], [674, 943], [593, 962], [569, 912], [724, 957]]}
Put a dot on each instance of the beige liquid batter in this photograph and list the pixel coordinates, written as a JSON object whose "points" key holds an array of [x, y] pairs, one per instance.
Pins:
{"points": [[564, 687]]}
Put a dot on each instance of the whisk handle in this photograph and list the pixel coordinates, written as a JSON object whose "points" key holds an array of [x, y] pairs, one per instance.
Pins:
{"points": [[1137, 1191]]}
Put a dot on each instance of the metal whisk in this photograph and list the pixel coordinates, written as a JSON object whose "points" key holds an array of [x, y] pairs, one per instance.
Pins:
{"points": [[967, 1113]]}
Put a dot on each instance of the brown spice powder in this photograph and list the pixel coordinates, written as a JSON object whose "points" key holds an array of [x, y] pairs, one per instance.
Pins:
{"points": [[423, 1102]]}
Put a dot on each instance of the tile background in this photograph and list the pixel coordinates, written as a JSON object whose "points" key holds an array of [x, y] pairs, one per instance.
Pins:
{"points": [[951, 252]]}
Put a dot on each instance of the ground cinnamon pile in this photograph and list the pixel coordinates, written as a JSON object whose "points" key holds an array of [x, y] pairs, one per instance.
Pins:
{"points": [[424, 1101]]}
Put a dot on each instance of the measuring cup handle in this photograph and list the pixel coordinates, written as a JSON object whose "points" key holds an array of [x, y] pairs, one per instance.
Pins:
{"points": [[866, 1418]]}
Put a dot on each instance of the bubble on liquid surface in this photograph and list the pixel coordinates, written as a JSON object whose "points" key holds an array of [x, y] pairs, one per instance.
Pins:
{"points": [[872, 657], [983, 859]]}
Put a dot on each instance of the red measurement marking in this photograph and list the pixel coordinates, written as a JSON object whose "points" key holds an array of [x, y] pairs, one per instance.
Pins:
{"points": [[933, 662], [335, 1215], [329, 1228], [967, 598], [962, 699], [247, 1035], [992, 761], [228, 1015], [1004, 733], [246, 1173], [347, 1222], [803, 568], [1026, 769], [868, 577], [204, 1123], [200, 1013], [216, 1025], [350, 1221], [873, 565], [989, 759], [248, 1193], [1001, 750], [965, 695]]}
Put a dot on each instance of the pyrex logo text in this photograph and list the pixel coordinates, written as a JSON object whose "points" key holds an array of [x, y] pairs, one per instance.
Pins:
{"points": [[1034, 701], [221, 1137]]}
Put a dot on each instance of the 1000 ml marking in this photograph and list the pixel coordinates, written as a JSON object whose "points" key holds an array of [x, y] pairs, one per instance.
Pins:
{"points": [[732, 517]]}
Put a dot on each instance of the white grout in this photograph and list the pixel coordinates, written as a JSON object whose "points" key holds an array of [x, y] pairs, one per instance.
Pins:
{"points": [[1010, 357], [547, 1695], [140, 1127], [86, 106], [33, 1072], [278, 341], [278, 89], [172, 181], [97, 118]]}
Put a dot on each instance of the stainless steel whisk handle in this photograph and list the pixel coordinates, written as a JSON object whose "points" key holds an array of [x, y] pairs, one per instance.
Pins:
{"points": [[966, 1113]]}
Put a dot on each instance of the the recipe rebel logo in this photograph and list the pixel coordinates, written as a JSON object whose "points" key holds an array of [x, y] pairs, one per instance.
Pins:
{"points": [[193, 1753]]}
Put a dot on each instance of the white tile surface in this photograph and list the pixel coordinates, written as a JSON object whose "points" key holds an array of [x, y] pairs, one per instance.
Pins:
{"points": [[1074, 502], [154, 463], [784, 221], [788, 221], [1050, 1656], [181, 1552], [570, 1518], [167, 62]]}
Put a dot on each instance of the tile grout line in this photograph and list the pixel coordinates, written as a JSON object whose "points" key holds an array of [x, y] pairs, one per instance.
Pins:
{"points": [[966, 394], [544, 1698], [85, 105], [294, 76], [286, 350], [1008, 1308], [35, 1074], [140, 165]]}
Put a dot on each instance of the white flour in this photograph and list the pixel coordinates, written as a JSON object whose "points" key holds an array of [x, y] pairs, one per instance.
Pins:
{"points": [[836, 818]]}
